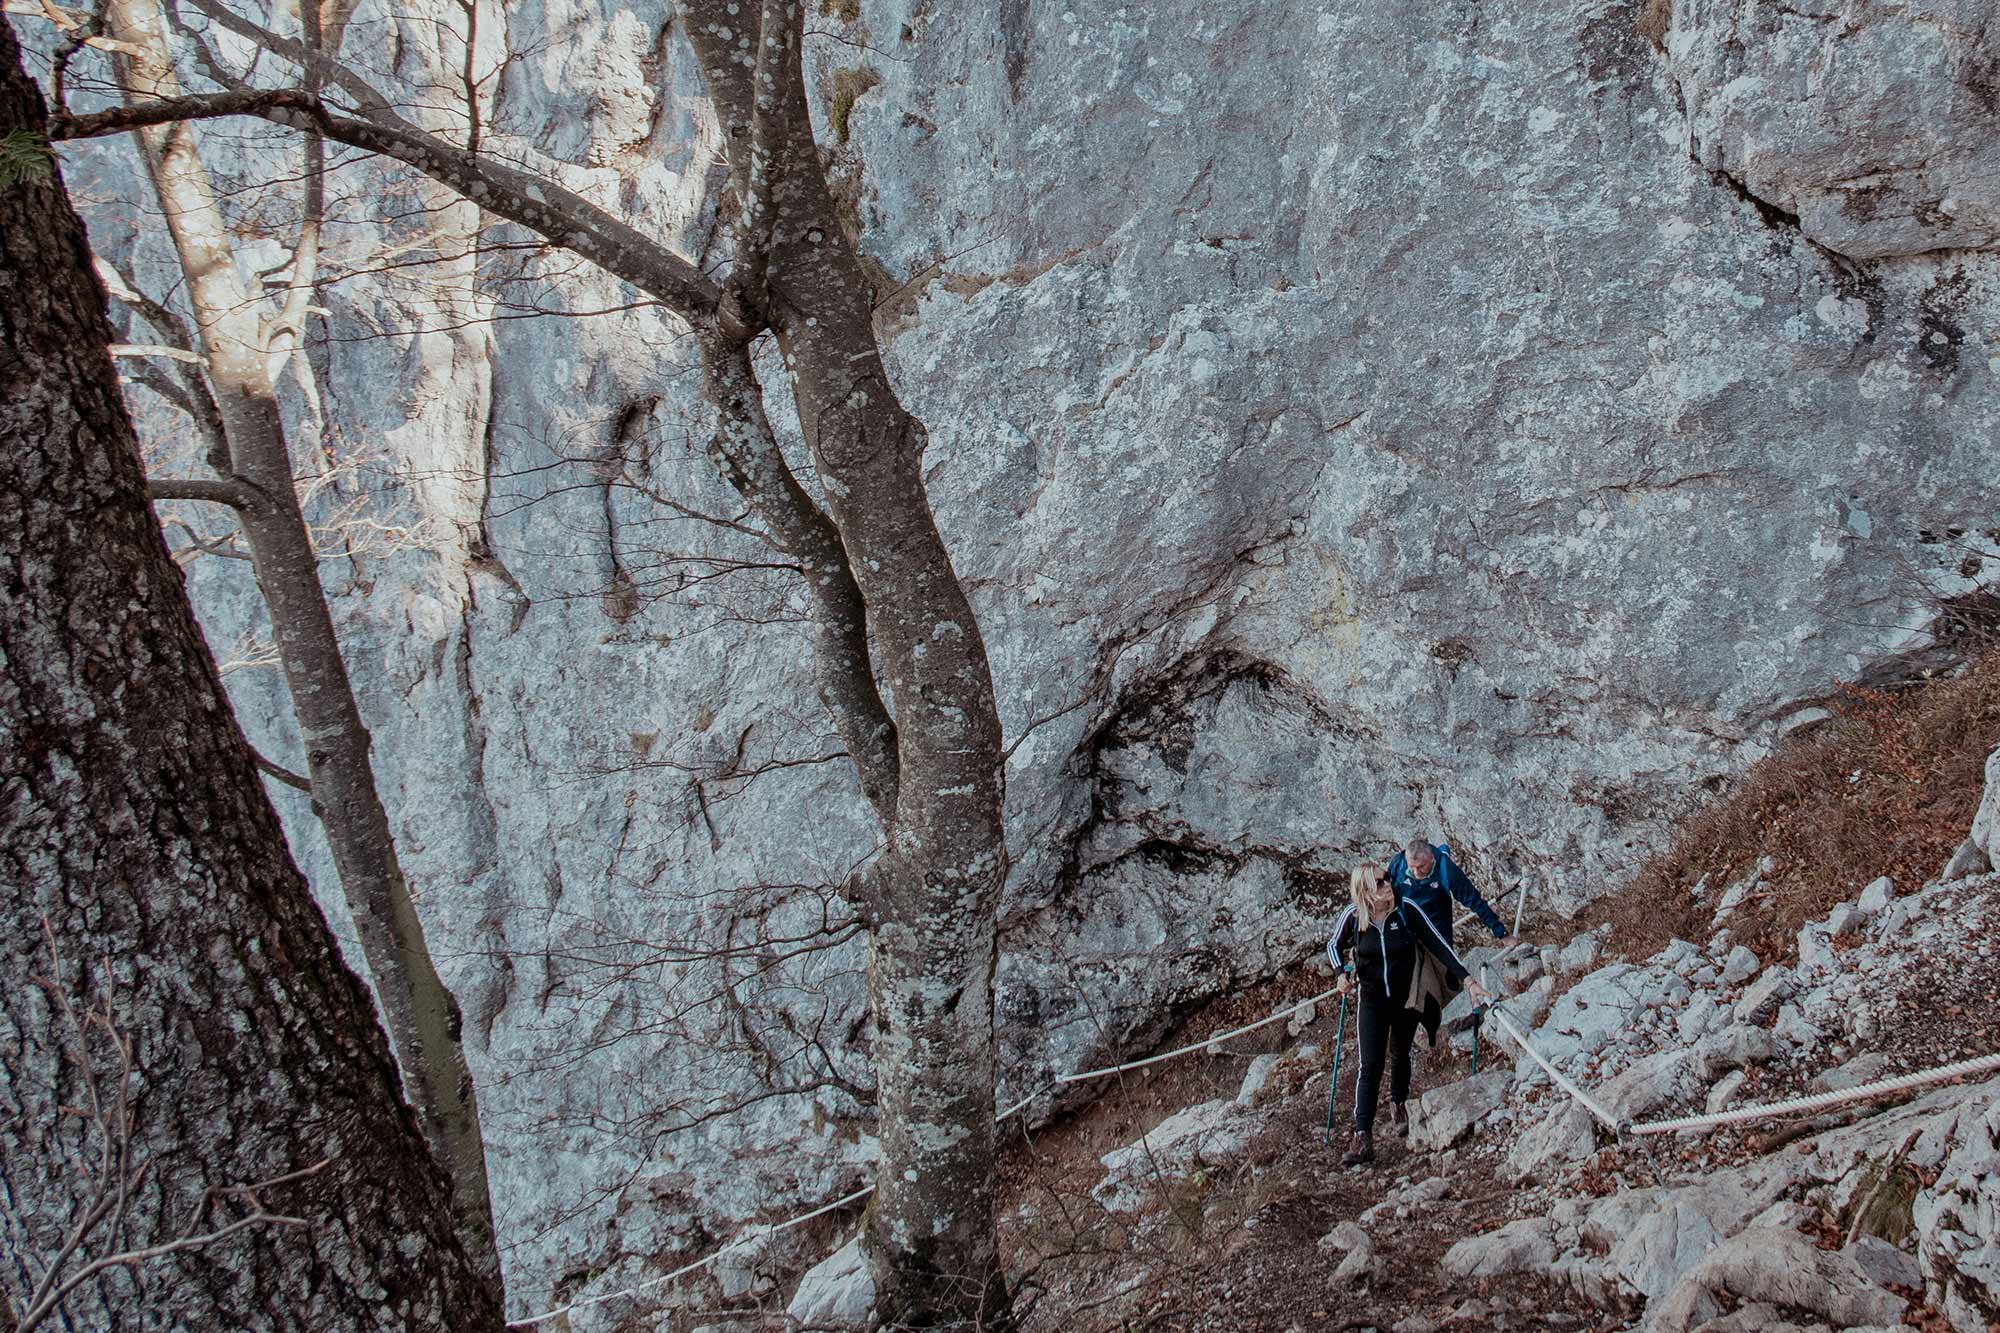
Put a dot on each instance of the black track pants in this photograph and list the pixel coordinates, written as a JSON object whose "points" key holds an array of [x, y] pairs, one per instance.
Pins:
{"points": [[1386, 1033]]}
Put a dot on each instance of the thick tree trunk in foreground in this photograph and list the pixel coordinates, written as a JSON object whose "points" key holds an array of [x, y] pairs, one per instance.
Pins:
{"points": [[886, 603], [175, 1021], [240, 365]]}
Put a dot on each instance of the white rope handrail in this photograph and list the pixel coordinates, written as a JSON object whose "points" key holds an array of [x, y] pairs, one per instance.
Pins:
{"points": [[752, 1233], [755, 1232], [1820, 1101], [1206, 1042], [1588, 1102]]}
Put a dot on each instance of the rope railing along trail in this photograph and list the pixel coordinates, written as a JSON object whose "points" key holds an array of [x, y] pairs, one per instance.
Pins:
{"points": [[1820, 1101], [757, 1232], [1202, 1045], [1793, 1106], [753, 1233], [1562, 1080]]}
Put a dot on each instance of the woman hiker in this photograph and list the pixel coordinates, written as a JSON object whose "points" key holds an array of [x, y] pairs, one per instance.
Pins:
{"points": [[1403, 964]]}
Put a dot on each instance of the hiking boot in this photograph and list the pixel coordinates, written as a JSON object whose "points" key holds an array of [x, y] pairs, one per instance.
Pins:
{"points": [[1399, 1119], [1361, 1152]]}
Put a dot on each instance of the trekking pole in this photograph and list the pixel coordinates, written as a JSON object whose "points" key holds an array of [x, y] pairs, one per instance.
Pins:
{"points": [[1333, 1084]]}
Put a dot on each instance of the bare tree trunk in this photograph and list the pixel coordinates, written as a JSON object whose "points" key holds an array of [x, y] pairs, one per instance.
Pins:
{"points": [[421, 1016], [934, 898], [180, 1026]]}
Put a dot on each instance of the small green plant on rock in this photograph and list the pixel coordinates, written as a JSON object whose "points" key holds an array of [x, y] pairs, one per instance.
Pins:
{"points": [[848, 85], [25, 156]]}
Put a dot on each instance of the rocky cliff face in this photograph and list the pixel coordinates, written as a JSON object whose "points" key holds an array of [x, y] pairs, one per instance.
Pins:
{"points": [[1348, 421]]}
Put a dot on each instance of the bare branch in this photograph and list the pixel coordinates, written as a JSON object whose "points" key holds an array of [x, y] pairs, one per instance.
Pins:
{"points": [[278, 771], [154, 349], [535, 202], [235, 494]]}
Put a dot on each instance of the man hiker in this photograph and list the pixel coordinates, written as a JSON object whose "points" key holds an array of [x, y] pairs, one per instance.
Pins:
{"points": [[1427, 876]]}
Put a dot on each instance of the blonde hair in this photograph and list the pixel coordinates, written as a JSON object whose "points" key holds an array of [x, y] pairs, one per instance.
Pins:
{"points": [[1357, 893]]}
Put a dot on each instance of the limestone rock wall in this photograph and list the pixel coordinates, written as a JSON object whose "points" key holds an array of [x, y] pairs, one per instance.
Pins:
{"points": [[1348, 420]]}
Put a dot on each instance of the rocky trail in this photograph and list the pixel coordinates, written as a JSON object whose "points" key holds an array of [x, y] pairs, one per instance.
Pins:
{"points": [[1201, 1196]]}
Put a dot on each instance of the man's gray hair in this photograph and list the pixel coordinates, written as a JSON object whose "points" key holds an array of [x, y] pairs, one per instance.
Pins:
{"points": [[1419, 849]]}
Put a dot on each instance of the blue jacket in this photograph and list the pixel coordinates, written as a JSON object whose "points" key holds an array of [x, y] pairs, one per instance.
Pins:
{"points": [[1434, 892]]}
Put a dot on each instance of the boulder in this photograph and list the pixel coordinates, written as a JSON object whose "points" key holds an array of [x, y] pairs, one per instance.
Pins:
{"points": [[1845, 919], [1666, 1239], [1724, 1091], [1780, 1267], [1581, 951], [1357, 1267], [1884, 1264], [1794, 1029], [1732, 898], [1736, 1047], [1524, 1246], [1760, 1002], [1568, 1134], [1739, 966], [1986, 822], [1861, 1069], [1208, 1133], [1256, 1078], [1877, 896], [1969, 859], [1344, 1237], [836, 1293], [1702, 1016], [1659, 1079], [1445, 1115]]}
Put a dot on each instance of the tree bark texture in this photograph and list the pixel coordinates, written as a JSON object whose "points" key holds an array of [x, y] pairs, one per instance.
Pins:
{"points": [[887, 605], [134, 830], [929, 1235], [240, 365]]}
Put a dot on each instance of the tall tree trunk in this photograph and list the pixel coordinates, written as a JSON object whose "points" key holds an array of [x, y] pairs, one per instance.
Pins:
{"points": [[421, 1016], [934, 899], [887, 605], [163, 960]]}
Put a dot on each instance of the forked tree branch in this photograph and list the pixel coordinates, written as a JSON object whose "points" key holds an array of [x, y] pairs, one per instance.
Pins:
{"points": [[562, 216]]}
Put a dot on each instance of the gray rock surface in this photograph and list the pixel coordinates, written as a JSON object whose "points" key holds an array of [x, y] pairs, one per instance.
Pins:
{"points": [[835, 1294], [1656, 1081], [1875, 126], [1209, 1134], [1739, 967], [1256, 1078], [1320, 406], [1781, 1267], [1765, 996], [1524, 1246], [1884, 1264], [1443, 1116], [1913, 1182], [1957, 1221], [1568, 1135], [1986, 823]]}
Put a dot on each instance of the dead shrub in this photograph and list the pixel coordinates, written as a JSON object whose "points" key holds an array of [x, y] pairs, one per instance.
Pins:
{"points": [[1885, 786]]}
